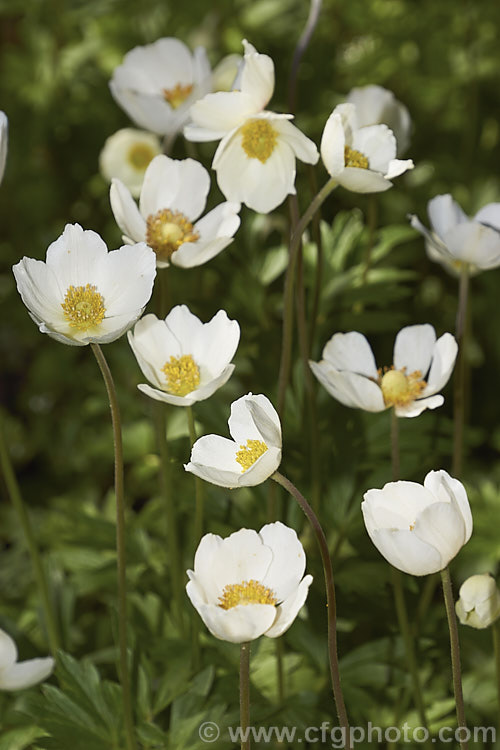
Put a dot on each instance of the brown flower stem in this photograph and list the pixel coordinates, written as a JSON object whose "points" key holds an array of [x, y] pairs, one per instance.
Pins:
{"points": [[496, 650], [198, 483], [120, 547], [330, 601], [459, 379], [245, 695], [455, 651], [17, 501], [286, 344]]}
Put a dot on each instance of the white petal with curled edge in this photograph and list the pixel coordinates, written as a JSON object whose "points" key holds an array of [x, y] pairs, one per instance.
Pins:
{"points": [[413, 348], [415, 408], [126, 212], [443, 361], [351, 351], [475, 243], [213, 458], [397, 167], [441, 526], [289, 609], [302, 146], [349, 388], [407, 552], [489, 215], [363, 180], [254, 417], [444, 214], [8, 650], [257, 76], [439, 482], [378, 144], [332, 145], [239, 624], [25, 674], [288, 561]]}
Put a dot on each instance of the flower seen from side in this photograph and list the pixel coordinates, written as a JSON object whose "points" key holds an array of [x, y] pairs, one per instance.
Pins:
{"points": [[250, 583], [4, 142], [173, 196], [126, 155], [82, 293], [376, 105], [479, 601], [421, 367], [253, 454], [360, 158], [18, 675], [184, 359], [157, 83], [255, 159], [419, 528], [456, 240]]}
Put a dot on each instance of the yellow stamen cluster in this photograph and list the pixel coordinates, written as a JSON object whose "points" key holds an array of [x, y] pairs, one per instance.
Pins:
{"points": [[249, 453], [258, 139], [139, 155], [167, 230], [177, 95], [400, 389], [182, 374], [83, 307], [353, 158], [246, 592]]}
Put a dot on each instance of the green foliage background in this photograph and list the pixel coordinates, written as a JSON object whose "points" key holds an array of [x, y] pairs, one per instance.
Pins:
{"points": [[442, 60]]}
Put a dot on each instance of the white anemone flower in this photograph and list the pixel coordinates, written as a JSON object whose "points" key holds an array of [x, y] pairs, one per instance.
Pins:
{"points": [[361, 159], [185, 360], [376, 105], [419, 529], [456, 240], [18, 675], [479, 601], [249, 584], [255, 159], [84, 294], [253, 454], [422, 366], [4, 139], [156, 84], [173, 196], [126, 155]]}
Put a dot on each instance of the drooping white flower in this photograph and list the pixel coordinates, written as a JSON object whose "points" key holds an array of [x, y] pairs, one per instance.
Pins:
{"points": [[126, 155], [456, 240], [84, 294], [249, 584], [419, 529], [255, 159], [479, 602], [361, 159], [18, 675], [156, 84], [422, 366], [185, 360], [253, 454], [376, 105], [173, 196], [4, 142]]}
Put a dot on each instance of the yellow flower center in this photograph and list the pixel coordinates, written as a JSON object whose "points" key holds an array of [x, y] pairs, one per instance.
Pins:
{"points": [[139, 155], [83, 307], [177, 95], [353, 158], [259, 139], [399, 389], [182, 374], [167, 230], [249, 453], [246, 592]]}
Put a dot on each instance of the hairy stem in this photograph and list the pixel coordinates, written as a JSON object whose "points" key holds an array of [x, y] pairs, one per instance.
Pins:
{"points": [[455, 651]]}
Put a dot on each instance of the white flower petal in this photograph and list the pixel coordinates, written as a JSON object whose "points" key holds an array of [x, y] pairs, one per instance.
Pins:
{"points": [[4, 130], [413, 348], [443, 528], [444, 214], [415, 408], [126, 212], [489, 215], [302, 146], [349, 388], [8, 650], [288, 560], [257, 76], [239, 624], [363, 180], [444, 487], [213, 458], [407, 552], [262, 469], [474, 243], [24, 674], [40, 291], [443, 361], [76, 256], [397, 167], [289, 609], [219, 113], [406, 499], [179, 185], [332, 145], [127, 279], [253, 417], [378, 144], [351, 351]]}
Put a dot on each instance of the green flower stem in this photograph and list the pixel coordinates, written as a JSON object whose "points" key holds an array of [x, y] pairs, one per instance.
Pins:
{"points": [[330, 601], [455, 650], [459, 379], [24, 519], [120, 546], [399, 596], [245, 694], [496, 649], [174, 568], [198, 483], [286, 344]]}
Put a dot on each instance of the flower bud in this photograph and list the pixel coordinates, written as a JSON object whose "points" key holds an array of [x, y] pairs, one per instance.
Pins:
{"points": [[479, 602]]}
